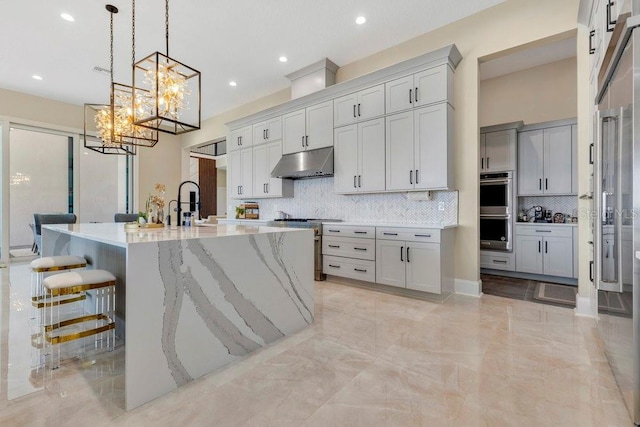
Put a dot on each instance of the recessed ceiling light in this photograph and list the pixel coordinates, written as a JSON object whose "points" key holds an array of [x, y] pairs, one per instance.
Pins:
{"points": [[234, 84], [283, 59], [67, 17], [361, 20], [36, 77]]}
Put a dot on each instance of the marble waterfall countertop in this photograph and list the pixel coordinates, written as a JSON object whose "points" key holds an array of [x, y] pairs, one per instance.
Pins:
{"points": [[190, 300], [115, 233]]}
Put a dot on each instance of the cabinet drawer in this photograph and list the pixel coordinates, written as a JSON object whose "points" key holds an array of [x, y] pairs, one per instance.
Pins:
{"points": [[497, 261], [350, 268], [544, 230], [363, 232], [351, 247], [429, 235]]}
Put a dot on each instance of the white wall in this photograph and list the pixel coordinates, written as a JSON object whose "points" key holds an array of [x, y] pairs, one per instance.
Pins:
{"points": [[102, 189], [535, 95], [221, 200]]}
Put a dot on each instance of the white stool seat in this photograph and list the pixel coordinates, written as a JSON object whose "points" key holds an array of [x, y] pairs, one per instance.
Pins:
{"points": [[81, 278], [60, 262]]}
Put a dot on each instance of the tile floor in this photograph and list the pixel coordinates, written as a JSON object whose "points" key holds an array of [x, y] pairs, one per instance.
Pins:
{"points": [[370, 359]]}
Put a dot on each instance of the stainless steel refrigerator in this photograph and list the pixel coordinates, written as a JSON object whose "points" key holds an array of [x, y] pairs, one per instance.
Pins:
{"points": [[616, 207]]}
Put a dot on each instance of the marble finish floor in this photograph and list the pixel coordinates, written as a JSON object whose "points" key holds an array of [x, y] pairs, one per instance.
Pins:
{"points": [[369, 359]]}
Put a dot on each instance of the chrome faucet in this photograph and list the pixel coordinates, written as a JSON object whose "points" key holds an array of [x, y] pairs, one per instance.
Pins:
{"points": [[180, 203]]}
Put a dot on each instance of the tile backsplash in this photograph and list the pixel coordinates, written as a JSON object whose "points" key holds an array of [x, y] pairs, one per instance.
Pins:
{"points": [[567, 205], [315, 198]]}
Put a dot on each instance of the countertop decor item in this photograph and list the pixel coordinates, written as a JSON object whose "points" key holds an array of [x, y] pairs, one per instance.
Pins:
{"points": [[558, 218]]}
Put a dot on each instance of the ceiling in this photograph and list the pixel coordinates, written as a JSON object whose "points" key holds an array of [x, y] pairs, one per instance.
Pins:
{"points": [[239, 40], [528, 58]]}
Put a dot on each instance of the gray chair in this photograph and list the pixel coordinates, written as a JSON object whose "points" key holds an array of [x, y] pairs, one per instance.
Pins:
{"points": [[125, 217], [43, 219]]}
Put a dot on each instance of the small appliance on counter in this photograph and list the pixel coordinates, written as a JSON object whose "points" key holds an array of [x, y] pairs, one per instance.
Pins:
{"points": [[548, 216], [538, 215], [249, 210]]}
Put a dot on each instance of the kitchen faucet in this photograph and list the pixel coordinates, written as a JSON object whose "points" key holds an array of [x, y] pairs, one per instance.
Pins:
{"points": [[179, 203], [169, 214]]}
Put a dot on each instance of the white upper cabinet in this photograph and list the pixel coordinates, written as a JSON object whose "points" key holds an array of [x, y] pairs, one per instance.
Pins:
{"points": [[424, 88], [269, 130], [240, 138], [359, 157], [308, 128], [360, 106], [241, 173], [418, 153], [498, 151], [265, 158], [545, 161]]}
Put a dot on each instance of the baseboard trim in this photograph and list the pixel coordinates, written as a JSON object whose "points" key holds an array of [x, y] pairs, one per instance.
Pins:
{"points": [[468, 287], [583, 307]]}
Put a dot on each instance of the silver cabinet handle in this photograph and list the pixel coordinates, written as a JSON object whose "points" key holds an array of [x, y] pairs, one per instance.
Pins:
{"points": [[359, 180]]}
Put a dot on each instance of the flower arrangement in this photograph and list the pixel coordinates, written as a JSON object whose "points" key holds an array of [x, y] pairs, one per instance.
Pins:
{"points": [[154, 213]]}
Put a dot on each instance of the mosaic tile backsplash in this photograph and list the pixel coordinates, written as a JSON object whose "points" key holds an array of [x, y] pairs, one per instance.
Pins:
{"points": [[315, 198], [567, 205]]}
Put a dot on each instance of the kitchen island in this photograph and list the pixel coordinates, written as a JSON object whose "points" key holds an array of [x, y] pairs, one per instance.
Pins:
{"points": [[190, 300]]}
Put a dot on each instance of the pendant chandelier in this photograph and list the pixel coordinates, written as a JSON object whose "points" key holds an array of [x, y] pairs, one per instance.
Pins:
{"points": [[174, 90], [103, 117]]}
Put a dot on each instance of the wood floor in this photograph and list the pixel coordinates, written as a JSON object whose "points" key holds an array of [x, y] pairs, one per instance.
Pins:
{"points": [[521, 289]]}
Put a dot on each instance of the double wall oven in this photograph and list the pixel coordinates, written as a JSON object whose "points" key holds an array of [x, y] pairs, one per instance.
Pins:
{"points": [[496, 211]]}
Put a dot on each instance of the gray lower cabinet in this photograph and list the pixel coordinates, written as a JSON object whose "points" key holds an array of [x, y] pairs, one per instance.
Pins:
{"points": [[349, 251], [544, 250], [505, 261]]}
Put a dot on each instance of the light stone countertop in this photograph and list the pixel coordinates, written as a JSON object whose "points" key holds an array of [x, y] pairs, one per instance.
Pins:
{"points": [[551, 224], [392, 224], [115, 233]]}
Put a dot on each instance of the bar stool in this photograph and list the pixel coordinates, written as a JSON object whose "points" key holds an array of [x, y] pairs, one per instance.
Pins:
{"points": [[57, 331], [40, 267]]}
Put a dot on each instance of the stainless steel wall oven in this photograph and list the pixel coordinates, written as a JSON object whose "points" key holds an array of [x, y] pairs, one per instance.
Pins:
{"points": [[496, 211]]}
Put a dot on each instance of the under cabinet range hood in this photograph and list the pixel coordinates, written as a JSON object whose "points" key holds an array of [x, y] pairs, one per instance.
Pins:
{"points": [[305, 164]]}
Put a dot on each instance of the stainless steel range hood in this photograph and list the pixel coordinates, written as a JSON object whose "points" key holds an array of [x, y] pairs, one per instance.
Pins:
{"points": [[305, 164]]}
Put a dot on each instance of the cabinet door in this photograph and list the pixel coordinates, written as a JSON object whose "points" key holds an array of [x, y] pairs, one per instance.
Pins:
{"points": [[319, 126], [390, 262], [530, 162], [293, 132], [557, 160], [529, 254], [345, 159], [260, 177], [345, 110], [246, 158], [431, 147], [423, 267], [274, 154], [235, 174], [370, 103], [371, 148], [240, 138], [431, 86], [397, 95], [500, 151], [274, 129], [557, 256], [483, 138], [399, 151], [260, 132]]}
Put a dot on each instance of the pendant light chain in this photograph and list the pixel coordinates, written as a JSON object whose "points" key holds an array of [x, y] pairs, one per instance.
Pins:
{"points": [[133, 32], [166, 24], [111, 45]]}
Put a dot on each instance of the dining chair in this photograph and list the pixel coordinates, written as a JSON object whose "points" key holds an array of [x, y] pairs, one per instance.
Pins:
{"points": [[125, 217], [43, 219]]}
